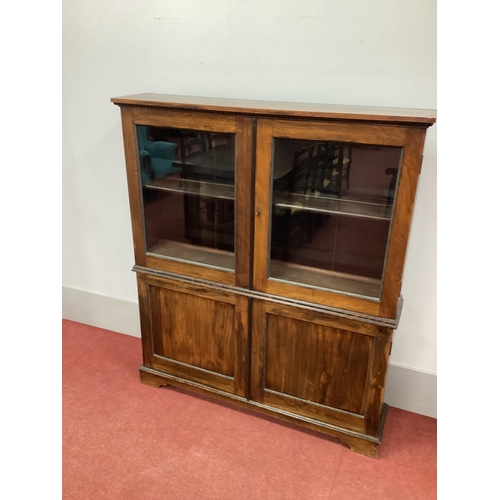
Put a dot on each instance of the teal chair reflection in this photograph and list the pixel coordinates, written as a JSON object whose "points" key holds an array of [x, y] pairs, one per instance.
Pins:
{"points": [[156, 157]]}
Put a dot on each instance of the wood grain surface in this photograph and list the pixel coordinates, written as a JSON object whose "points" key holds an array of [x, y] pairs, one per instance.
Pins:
{"points": [[308, 348], [423, 117], [317, 363]]}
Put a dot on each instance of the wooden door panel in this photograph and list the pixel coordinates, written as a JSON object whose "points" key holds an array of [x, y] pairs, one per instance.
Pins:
{"points": [[196, 333], [193, 330], [313, 364], [317, 363]]}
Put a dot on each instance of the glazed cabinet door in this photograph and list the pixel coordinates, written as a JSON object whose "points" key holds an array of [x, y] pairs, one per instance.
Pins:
{"points": [[333, 204], [189, 175], [195, 333], [319, 366]]}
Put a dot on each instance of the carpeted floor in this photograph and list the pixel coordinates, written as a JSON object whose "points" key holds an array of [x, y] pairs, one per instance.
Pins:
{"points": [[123, 440]]}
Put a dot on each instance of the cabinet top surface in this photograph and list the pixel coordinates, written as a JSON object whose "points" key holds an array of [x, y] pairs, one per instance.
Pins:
{"points": [[419, 117]]}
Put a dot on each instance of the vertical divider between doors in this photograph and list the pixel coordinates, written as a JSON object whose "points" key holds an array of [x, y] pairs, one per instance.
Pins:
{"points": [[244, 202], [263, 204], [252, 241], [257, 352]]}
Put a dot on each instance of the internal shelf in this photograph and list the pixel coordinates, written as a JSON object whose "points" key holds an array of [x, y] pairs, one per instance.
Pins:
{"points": [[194, 253], [328, 205], [194, 187], [321, 278]]}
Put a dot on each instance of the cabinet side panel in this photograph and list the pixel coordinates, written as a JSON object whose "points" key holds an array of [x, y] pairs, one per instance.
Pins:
{"points": [[377, 382], [317, 363], [134, 188], [145, 318], [193, 330]]}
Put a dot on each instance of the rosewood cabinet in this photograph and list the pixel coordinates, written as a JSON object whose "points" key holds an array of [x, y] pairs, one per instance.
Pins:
{"points": [[269, 244]]}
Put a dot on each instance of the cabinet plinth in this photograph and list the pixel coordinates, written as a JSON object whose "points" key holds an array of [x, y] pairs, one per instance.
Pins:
{"points": [[269, 247]]}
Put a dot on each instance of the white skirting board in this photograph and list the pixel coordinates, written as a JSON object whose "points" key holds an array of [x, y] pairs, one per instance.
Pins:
{"points": [[99, 310], [411, 390], [406, 388]]}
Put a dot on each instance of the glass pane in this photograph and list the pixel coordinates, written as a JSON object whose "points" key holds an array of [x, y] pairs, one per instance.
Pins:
{"points": [[332, 210], [188, 180]]}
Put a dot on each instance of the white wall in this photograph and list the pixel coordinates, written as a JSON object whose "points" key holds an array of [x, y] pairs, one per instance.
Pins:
{"points": [[369, 52]]}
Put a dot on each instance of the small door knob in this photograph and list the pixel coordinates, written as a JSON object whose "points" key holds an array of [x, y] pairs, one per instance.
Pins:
{"points": [[257, 213]]}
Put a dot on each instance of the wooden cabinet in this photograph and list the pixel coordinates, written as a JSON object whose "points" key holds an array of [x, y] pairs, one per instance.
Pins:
{"points": [[269, 244]]}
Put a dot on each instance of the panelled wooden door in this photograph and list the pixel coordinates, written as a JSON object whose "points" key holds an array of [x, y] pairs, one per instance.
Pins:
{"points": [[362, 220], [318, 366], [195, 333]]}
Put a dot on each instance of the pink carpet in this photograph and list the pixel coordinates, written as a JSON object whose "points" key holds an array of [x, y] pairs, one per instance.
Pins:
{"points": [[124, 440]]}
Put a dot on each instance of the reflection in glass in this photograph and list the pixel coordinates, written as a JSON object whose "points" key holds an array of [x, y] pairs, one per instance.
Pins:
{"points": [[332, 210], [188, 180]]}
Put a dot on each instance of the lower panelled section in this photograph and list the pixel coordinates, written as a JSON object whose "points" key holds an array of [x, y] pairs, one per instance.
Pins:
{"points": [[194, 332], [302, 365], [319, 366]]}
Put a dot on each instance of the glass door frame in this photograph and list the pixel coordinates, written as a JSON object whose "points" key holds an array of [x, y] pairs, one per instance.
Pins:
{"points": [[410, 138], [196, 121]]}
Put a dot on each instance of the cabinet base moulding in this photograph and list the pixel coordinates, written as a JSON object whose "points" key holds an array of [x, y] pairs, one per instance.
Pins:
{"points": [[358, 442]]}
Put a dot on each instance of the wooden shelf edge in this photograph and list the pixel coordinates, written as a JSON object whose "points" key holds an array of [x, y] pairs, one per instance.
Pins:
{"points": [[203, 189], [326, 205]]}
